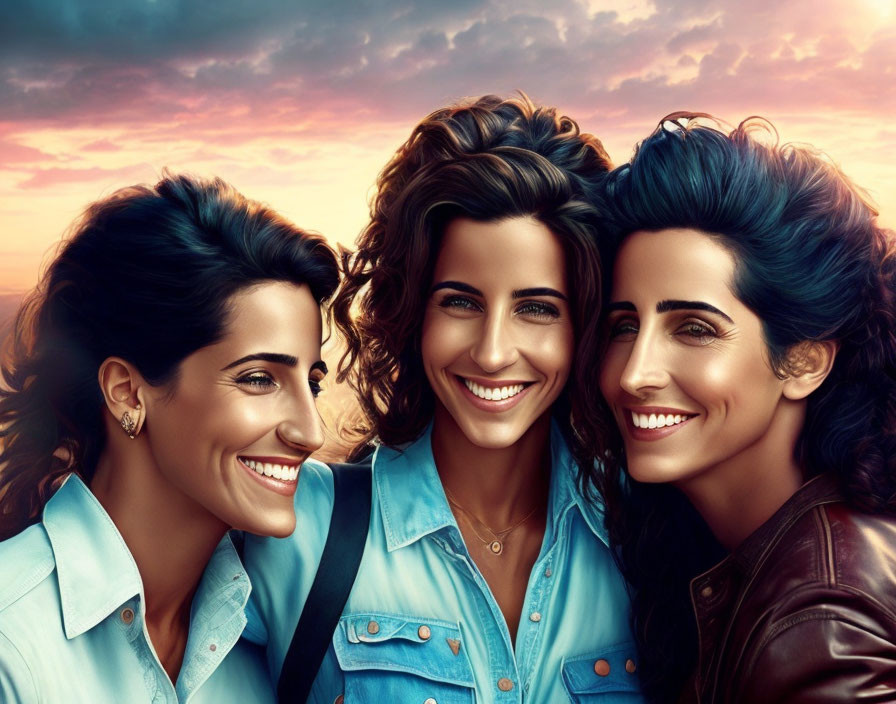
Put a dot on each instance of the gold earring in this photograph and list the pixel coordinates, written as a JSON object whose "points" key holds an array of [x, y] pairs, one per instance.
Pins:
{"points": [[129, 425]]}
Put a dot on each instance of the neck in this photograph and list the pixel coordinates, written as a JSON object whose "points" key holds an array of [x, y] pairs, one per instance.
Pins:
{"points": [[497, 485], [736, 497], [170, 537]]}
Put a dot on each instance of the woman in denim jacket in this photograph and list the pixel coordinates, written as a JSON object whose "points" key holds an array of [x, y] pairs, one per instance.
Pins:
{"points": [[468, 307], [169, 358]]}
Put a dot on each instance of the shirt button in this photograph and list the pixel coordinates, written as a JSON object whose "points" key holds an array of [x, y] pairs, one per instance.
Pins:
{"points": [[602, 668], [630, 666], [547, 572], [424, 633], [213, 647], [535, 617], [706, 592], [127, 615], [373, 628], [505, 685]]}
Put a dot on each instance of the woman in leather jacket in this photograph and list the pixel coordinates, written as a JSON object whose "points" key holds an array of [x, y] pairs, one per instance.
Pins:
{"points": [[749, 365]]}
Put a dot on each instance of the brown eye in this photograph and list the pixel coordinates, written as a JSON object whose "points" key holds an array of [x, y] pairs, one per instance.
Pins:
{"points": [[459, 302], [538, 309], [698, 331], [623, 328], [257, 380]]}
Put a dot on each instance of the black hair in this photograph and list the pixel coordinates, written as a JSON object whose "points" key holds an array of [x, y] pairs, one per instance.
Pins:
{"points": [[147, 275], [813, 264]]}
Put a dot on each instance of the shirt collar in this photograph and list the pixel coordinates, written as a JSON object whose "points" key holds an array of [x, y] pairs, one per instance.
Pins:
{"points": [[97, 573], [565, 490], [413, 503], [94, 567]]}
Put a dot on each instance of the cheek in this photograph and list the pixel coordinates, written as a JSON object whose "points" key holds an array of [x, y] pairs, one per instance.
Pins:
{"points": [[727, 383], [199, 431], [552, 349], [443, 339]]}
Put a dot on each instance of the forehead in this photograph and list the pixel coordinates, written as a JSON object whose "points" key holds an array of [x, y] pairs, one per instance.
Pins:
{"points": [[673, 264], [518, 251], [277, 316]]}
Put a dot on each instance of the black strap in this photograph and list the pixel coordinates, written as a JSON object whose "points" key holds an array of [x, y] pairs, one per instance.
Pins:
{"points": [[332, 583]]}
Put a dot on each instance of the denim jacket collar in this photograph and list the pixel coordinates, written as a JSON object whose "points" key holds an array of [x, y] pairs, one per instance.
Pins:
{"points": [[97, 573], [94, 567], [413, 503]]}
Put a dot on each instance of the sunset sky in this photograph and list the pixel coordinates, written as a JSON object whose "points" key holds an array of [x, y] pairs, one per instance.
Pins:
{"points": [[300, 104]]}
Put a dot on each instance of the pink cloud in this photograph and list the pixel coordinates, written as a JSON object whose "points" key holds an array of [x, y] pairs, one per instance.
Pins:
{"points": [[101, 145], [43, 178], [14, 153]]}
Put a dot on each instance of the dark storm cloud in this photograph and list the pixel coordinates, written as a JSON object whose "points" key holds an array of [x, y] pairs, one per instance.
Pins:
{"points": [[280, 60]]}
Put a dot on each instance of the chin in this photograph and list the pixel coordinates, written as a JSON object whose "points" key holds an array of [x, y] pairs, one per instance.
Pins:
{"points": [[654, 471], [271, 528], [490, 438]]}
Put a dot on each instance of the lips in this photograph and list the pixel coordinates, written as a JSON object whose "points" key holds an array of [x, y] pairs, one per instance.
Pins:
{"points": [[493, 396], [655, 423], [279, 474]]}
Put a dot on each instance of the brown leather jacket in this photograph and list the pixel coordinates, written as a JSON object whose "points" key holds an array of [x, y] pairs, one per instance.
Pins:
{"points": [[803, 611]]}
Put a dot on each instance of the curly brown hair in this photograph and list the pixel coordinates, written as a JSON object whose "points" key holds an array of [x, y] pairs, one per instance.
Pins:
{"points": [[486, 159]]}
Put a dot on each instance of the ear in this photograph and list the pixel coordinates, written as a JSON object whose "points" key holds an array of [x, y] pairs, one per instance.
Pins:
{"points": [[122, 386], [808, 365]]}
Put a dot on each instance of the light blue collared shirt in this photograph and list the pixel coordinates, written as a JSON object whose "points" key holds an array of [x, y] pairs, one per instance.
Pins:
{"points": [[72, 618], [421, 624]]}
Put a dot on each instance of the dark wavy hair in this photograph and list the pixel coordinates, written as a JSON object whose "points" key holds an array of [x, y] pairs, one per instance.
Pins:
{"points": [[147, 276], [813, 264], [487, 159]]}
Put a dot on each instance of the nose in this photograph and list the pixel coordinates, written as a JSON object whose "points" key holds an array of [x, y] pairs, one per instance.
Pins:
{"points": [[301, 426], [495, 347], [645, 369]]}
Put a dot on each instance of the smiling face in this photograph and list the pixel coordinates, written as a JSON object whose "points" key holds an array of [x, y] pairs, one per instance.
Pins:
{"points": [[497, 334], [232, 430], [686, 371]]}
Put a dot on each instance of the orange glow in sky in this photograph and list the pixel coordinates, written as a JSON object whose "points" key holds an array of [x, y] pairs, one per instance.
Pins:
{"points": [[300, 104]]}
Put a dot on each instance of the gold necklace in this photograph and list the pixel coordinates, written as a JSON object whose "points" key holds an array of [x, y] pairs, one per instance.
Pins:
{"points": [[496, 545]]}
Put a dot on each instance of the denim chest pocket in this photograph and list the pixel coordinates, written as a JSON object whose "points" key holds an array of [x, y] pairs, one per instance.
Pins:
{"points": [[608, 675], [388, 658]]}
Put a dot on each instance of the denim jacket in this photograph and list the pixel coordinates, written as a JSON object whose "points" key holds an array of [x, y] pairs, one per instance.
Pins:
{"points": [[72, 613], [421, 624]]}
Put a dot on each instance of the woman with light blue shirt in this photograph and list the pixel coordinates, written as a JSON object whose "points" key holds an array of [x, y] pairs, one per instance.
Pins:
{"points": [[159, 389], [486, 575]]}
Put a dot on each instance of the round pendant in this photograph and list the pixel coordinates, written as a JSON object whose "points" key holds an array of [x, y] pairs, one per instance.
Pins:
{"points": [[497, 547]]}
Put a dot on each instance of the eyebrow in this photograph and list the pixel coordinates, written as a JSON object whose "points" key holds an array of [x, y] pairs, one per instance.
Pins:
{"points": [[666, 306], [457, 285], [519, 293], [670, 305], [540, 291], [275, 357]]}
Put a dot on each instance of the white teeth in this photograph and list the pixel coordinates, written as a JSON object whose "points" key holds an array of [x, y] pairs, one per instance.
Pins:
{"points": [[277, 471], [642, 420], [493, 393]]}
